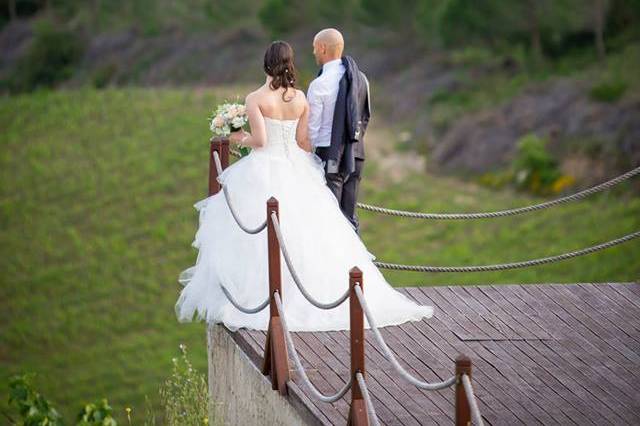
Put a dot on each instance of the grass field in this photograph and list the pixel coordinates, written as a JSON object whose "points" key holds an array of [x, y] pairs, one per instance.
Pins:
{"points": [[96, 220]]}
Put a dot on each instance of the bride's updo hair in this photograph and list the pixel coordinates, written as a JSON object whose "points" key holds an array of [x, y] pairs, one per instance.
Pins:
{"points": [[278, 63]]}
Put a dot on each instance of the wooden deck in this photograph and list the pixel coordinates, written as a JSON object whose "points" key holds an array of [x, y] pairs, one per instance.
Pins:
{"points": [[542, 354]]}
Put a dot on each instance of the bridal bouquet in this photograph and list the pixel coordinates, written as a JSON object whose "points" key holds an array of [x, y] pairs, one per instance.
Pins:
{"points": [[229, 117]]}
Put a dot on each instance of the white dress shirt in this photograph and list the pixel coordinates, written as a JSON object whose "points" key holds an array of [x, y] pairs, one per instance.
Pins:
{"points": [[322, 95]]}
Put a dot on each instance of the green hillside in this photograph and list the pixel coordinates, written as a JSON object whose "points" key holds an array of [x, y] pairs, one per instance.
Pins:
{"points": [[96, 217]]}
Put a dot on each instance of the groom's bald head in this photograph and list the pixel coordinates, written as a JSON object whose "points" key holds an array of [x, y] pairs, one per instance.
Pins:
{"points": [[328, 45]]}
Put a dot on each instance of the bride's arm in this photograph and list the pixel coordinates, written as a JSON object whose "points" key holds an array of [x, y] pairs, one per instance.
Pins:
{"points": [[258, 136], [302, 131]]}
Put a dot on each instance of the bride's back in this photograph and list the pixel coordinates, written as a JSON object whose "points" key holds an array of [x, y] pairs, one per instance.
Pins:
{"points": [[272, 105]]}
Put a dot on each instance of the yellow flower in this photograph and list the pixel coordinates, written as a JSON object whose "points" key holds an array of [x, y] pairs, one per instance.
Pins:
{"points": [[562, 182]]}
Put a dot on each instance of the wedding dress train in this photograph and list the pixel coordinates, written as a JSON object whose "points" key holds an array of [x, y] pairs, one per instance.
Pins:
{"points": [[321, 242]]}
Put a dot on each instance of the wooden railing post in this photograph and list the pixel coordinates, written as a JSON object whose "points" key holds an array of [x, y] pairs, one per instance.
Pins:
{"points": [[276, 357], [463, 411], [358, 411], [221, 146]]}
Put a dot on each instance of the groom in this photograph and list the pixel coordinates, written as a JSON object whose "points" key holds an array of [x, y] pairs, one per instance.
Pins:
{"points": [[338, 117]]}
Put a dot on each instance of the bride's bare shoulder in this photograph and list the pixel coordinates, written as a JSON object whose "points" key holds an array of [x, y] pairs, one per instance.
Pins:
{"points": [[301, 94], [254, 96]]}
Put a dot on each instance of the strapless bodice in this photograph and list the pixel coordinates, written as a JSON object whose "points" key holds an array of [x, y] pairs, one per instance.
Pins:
{"points": [[280, 131]]}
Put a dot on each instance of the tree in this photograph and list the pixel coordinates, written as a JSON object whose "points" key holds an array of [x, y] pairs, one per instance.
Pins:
{"points": [[599, 12], [12, 10], [394, 15]]}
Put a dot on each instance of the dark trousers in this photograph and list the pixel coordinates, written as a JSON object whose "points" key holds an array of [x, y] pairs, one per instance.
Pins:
{"points": [[346, 191]]}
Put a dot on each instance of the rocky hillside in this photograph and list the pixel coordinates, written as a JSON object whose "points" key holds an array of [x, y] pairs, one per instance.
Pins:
{"points": [[594, 137], [466, 114]]}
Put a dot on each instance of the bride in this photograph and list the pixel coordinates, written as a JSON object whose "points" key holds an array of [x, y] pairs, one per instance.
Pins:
{"points": [[320, 240]]}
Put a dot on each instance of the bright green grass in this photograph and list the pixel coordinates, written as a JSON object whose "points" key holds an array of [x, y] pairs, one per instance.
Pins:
{"points": [[96, 222], [489, 241]]}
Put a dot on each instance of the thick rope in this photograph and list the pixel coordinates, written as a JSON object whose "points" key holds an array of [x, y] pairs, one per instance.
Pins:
{"points": [[373, 418], [501, 213], [391, 357], [256, 230], [299, 366], [294, 275], [506, 266], [242, 308], [471, 398]]}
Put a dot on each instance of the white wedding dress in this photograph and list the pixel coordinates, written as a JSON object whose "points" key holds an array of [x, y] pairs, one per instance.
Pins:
{"points": [[321, 242]]}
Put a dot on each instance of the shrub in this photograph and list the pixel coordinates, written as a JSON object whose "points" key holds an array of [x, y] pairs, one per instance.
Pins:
{"points": [[608, 91], [104, 75], [185, 394], [534, 168], [98, 414], [49, 60], [278, 16], [32, 407]]}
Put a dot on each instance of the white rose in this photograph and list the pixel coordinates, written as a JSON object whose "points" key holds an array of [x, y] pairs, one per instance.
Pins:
{"points": [[218, 121], [237, 122]]}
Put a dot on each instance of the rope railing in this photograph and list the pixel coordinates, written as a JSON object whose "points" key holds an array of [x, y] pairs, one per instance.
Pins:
{"points": [[392, 358], [362, 411], [300, 368], [502, 213], [367, 398], [499, 213], [471, 400], [279, 342], [227, 197], [507, 266], [242, 308], [296, 278]]}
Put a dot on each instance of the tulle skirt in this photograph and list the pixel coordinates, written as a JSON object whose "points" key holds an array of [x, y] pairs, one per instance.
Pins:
{"points": [[321, 243]]}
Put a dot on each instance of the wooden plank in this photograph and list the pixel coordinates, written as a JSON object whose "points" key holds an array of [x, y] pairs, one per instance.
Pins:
{"points": [[493, 403], [486, 369], [588, 322], [622, 305], [322, 376], [525, 408], [552, 354], [512, 304], [398, 401], [630, 291], [610, 349], [566, 389], [604, 305], [506, 351], [571, 385]]}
